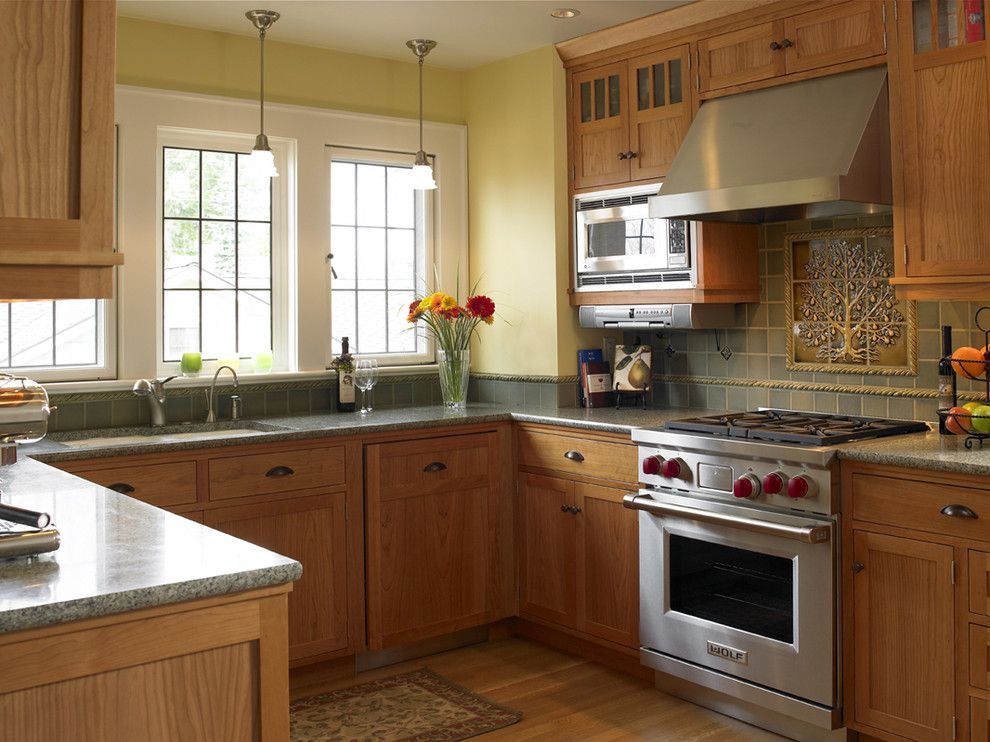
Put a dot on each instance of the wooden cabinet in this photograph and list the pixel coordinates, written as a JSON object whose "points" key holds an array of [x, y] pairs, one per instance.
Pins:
{"points": [[628, 118], [903, 629], [439, 536], [166, 484], [838, 34], [57, 136], [580, 558], [915, 601], [311, 529], [940, 88]]}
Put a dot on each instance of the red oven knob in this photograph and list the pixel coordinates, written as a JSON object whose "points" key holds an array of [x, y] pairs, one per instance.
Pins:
{"points": [[672, 468], [651, 465], [747, 486], [801, 486], [774, 483]]}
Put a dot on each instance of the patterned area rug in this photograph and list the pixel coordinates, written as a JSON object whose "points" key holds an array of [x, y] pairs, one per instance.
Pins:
{"points": [[417, 706]]}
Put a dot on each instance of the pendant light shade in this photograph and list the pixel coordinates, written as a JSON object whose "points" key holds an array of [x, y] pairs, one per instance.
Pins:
{"points": [[262, 160], [422, 173]]}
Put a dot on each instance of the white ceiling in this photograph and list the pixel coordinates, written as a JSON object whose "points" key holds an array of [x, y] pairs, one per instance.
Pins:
{"points": [[469, 33]]}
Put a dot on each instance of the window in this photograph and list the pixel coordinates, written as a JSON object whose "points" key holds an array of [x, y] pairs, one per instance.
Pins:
{"points": [[55, 340], [378, 239], [217, 236]]}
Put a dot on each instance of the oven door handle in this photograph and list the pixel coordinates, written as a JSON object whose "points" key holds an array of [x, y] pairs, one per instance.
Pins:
{"points": [[807, 534]]}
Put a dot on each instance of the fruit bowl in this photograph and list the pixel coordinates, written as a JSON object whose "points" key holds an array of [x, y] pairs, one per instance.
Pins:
{"points": [[971, 420]]}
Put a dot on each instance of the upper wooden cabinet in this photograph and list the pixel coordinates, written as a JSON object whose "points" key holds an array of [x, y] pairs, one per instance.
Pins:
{"points": [[832, 35], [941, 128], [57, 149], [628, 119]]}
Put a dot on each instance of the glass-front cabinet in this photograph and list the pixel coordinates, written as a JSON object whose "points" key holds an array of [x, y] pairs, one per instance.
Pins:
{"points": [[940, 86], [629, 118]]}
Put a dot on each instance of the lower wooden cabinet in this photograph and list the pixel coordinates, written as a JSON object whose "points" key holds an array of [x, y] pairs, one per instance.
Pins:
{"points": [[438, 537], [312, 529], [903, 629], [579, 558]]}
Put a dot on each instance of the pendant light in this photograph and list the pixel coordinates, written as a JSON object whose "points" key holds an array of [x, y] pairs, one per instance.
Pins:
{"points": [[262, 161], [422, 173]]}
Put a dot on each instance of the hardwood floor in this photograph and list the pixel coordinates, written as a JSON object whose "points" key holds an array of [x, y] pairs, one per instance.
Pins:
{"points": [[562, 697]]}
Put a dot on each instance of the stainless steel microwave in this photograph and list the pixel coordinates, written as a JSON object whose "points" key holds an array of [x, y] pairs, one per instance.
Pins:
{"points": [[619, 246]]}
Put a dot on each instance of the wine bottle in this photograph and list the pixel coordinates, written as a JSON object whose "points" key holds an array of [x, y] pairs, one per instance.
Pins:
{"points": [[946, 379], [344, 364]]}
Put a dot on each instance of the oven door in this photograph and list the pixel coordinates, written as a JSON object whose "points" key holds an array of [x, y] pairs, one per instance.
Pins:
{"points": [[621, 238], [746, 592]]}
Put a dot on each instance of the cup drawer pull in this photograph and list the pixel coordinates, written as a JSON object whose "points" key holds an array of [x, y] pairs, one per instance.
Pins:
{"points": [[122, 487], [959, 511], [435, 466], [280, 471], [574, 456]]}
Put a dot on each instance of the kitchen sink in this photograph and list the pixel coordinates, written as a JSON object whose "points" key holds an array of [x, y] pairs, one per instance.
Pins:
{"points": [[167, 434]]}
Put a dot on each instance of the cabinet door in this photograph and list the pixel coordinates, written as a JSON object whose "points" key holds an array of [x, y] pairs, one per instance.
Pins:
{"points": [[548, 574], [660, 110], [432, 535], [903, 636], [742, 56], [600, 126], [838, 33], [943, 84], [608, 565], [312, 530], [57, 136], [979, 719]]}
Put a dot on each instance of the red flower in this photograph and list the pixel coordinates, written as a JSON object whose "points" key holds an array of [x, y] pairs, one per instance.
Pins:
{"points": [[452, 313], [413, 311], [481, 307]]}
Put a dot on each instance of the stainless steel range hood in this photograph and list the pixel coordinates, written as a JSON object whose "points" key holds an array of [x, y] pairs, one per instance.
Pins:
{"points": [[812, 149]]}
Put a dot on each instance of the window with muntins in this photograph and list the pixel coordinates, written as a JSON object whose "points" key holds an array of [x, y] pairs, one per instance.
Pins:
{"points": [[54, 340], [216, 255], [378, 239]]}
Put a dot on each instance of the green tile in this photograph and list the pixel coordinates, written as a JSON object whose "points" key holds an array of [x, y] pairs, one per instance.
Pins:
{"points": [[825, 402], [850, 404], [402, 393], [925, 409], [780, 398], [757, 397], [874, 406], [69, 416], [775, 263], [99, 414], [804, 401], [928, 315], [758, 367], [698, 395], [777, 341], [717, 399], [124, 412], [756, 341], [319, 399], [900, 408], [298, 401], [736, 398], [276, 403]]}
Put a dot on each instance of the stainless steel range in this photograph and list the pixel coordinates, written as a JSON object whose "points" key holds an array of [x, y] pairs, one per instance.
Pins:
{"points": [[739, 541]]}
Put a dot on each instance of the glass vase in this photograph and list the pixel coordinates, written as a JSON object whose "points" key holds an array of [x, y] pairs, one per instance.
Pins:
{"points": [[455, 366]]}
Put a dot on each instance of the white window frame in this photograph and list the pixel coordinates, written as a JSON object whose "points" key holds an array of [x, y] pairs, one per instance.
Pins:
{"points": [[283, 256], [426, 208], [102, 371]]}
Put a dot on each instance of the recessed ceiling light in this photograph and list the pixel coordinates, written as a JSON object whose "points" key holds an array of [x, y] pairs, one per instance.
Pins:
{"points": [[565, 13]]}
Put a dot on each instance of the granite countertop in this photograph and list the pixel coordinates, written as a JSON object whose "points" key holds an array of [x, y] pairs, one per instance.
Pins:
{"points": [[118, 554], [922, 451]]}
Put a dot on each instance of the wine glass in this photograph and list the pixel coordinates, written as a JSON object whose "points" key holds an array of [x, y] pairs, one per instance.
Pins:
{"points": [[365, 378]]}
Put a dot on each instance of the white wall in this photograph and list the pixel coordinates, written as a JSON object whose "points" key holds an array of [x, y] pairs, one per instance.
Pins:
{"points": [[307, 131]]}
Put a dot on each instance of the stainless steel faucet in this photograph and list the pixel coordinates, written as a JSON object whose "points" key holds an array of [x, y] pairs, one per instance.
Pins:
{"points": [[211, 398], [154, 391]]}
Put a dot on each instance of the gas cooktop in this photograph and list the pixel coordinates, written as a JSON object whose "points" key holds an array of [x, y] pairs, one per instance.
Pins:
{"points": [[788, 426]]}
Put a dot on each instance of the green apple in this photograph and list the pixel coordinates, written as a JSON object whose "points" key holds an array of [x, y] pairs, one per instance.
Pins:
{"points": [[981, 419]]}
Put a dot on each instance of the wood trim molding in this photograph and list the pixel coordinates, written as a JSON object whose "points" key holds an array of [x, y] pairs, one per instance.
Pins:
{"points": [[53, 257]]}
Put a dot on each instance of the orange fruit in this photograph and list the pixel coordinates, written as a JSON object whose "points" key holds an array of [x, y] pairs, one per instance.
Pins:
{"points": [[969, 362], [958, 421]]}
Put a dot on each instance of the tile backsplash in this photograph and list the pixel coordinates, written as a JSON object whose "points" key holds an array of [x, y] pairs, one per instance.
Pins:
{"points": [[756, 374]]}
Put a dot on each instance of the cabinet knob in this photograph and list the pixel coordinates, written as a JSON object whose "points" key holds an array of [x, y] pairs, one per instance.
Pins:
{"points": [[775, 46], [574, 456], [858, 567], [565, 508], [786, 44], [280, 471], [435, 466], [575, 509], [630, 155], [959, 511], [122, 487], [622, 155]]}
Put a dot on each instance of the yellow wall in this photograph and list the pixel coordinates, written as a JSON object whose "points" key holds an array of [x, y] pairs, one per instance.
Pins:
{"points": [[158, 55], [519, 217]]}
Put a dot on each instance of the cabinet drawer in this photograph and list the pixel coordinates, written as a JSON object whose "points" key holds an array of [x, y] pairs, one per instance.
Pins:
{"points": [[979, 656], [919, 505], [279, 471], [432, 465], [163, 485], [592, 458]]}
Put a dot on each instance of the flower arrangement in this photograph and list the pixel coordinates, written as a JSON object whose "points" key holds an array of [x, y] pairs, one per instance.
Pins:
{"points": [[452, 326]]}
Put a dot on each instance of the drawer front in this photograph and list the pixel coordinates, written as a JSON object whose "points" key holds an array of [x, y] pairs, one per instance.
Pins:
{"points": [[591, 458], [921, 506], [979, 656], [979, 582], [431, 465], [279, 471], [163, 485]]}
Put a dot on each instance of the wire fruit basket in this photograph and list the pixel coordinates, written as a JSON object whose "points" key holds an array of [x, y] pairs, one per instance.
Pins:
{"points": [[975, 427]]}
